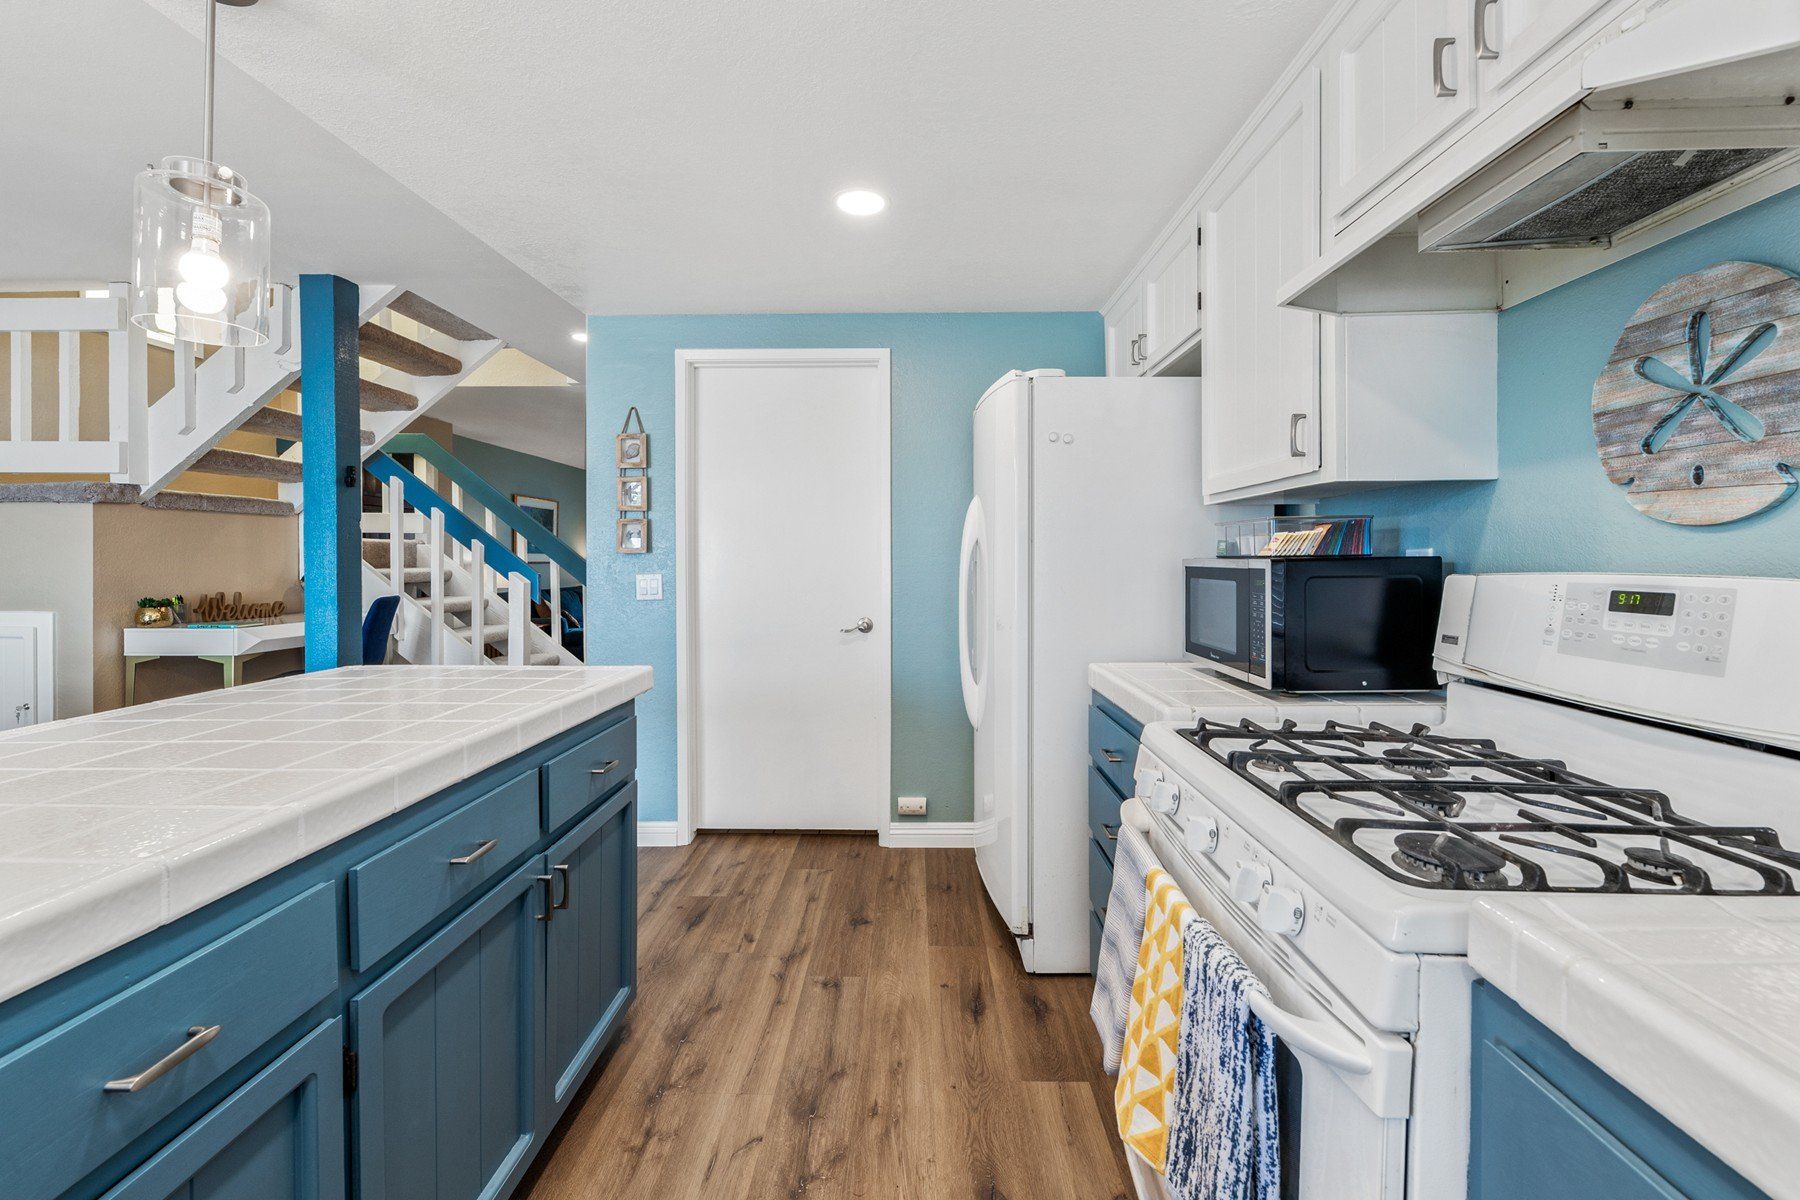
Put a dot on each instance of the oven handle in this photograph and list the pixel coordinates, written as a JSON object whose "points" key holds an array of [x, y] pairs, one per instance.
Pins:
{"points": [[1315, 1039]]}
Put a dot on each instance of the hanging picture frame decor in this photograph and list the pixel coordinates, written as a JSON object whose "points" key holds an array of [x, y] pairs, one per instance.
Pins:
{"points": [[632, 452], [634, 535], [1697, 413]]}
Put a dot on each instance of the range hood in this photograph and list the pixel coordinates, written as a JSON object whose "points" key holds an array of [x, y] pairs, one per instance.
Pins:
{"points": [[1605, 166], [1679, 38]]}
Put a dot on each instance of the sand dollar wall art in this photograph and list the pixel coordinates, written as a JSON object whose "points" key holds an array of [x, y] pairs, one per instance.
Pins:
{"points": [[1697, 414]]}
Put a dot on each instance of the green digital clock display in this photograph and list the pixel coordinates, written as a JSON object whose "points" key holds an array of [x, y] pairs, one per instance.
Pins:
{"points": [[1649, 604]]}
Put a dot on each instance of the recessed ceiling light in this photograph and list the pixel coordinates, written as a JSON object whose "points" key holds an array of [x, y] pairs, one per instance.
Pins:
{"points": [[859, 203], [579, 335]]}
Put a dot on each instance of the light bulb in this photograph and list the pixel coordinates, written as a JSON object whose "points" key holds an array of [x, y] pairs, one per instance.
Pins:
{"points": [[199, 298], [203, 267]]}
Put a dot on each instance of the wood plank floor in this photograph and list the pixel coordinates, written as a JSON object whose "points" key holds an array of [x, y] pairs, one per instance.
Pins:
{"points": [[821, 1017]]}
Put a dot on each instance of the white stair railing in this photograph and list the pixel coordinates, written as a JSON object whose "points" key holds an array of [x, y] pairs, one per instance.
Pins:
{"points": [[118, 455]]}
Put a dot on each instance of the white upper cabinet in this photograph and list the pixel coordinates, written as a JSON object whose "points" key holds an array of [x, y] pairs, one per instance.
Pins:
{"points": [[1172, 292], [1399, 75], [1517, 39], [1260, 413], [1126, 334]]}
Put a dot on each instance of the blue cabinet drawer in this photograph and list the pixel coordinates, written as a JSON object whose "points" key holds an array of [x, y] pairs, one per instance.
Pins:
{"points": [[279, 1137], [576, 778], [58, 1121], [1113, 750], [1103, 811], [1100, 875], [397, 892]]}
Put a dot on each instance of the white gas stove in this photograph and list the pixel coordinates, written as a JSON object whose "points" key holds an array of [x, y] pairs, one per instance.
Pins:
{"points": [[1630, 735]]}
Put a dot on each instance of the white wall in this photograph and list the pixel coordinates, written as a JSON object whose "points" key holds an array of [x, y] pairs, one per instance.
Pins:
{"points": [[47, 565]]}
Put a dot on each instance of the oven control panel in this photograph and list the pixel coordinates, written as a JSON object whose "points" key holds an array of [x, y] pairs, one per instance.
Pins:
{"points": [[1686, 630]]}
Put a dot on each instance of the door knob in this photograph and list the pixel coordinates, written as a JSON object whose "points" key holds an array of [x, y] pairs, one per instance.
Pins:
{"points": [[863, 626]]}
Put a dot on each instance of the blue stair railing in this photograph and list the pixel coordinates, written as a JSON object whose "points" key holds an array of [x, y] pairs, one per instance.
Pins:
{"points": [[420, 496]]}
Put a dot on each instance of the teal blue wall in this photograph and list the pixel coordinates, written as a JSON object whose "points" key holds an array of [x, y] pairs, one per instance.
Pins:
{"points": [[941, 364], [515, 473], [1552, 507]]}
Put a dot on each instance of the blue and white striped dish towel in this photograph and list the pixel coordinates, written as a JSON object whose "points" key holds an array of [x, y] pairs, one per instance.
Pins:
{"points": [[1224, 1137], [1120, 941]]}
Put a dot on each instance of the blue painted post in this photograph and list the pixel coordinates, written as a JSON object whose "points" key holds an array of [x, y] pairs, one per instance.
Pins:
{"points": [[331, 471]]}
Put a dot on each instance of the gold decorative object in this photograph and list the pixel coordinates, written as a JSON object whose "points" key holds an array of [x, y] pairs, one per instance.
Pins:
{"points": [[216, 608], [161, 614]]}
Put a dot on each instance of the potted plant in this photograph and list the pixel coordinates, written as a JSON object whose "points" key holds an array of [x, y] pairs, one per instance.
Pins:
{"points": [[152, 612]]}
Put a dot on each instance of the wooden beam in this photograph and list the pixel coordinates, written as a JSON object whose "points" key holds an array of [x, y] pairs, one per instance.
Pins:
{"points": [[331, 475]]}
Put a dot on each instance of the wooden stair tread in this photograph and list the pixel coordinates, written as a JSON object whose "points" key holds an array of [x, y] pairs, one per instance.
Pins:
{"points": [[244, 464], [379, 397], [545, 660], [415, 307], [280, 423], [253, 506], [403, 354]]}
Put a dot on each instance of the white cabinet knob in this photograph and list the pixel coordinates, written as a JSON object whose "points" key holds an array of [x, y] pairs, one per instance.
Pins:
{"points": [[1282, 911], [1203, 834], [1164, 798], [1248, 883]]}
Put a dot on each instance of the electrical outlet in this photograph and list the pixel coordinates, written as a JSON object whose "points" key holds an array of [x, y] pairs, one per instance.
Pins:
{"points": [[912, 806], [649, 587]]}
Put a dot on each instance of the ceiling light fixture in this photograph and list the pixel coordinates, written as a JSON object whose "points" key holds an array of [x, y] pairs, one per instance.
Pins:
{"points": [[860, 203], [200, 240], [580, 335]]}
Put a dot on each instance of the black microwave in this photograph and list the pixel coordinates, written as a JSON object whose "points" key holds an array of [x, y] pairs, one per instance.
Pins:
{"points": [[1350, 624]]}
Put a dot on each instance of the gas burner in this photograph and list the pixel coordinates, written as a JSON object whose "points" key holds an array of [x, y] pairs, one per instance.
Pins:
{"points": [[1661, 864], [1439, 801], [1263, 762], [1418, 768], [1446, 858]]}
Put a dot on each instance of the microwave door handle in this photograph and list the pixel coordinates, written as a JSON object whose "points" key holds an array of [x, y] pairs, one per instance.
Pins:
{"points": [[1315, 1039]]}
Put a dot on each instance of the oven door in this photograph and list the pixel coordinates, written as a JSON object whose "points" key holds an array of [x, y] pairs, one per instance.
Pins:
{"points": [[1345, 1087], [1227, 615]]}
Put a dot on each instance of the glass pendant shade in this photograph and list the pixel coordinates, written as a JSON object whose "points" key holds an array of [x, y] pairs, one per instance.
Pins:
{"points": [[200, 255]]}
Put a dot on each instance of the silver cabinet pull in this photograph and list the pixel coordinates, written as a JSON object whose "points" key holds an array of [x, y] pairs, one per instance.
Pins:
{"points": [[568, 883], [477, 854], [1438, 82], [1484, 49], [605, 768], [863, 626], [1112, 756], [1294, 449], [1112, 832], [198, 1037]]}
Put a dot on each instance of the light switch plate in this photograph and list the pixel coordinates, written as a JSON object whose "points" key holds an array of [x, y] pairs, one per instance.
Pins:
{"points": [[649, 587], [912, 806]]}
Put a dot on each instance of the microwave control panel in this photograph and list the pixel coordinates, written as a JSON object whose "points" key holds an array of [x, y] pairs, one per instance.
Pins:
{"points": [[1687, 630]]}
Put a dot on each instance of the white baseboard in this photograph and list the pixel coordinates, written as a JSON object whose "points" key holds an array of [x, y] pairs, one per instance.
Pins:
{"points": [[935, 834], [659, 833]]}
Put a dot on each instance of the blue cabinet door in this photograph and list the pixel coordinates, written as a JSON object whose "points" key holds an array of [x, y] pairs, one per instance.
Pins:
{"points": [[590, 961], [279, 1137], [445, 1106]]}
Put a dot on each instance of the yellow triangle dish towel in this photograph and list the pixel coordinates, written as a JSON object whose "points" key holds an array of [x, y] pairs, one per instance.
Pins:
{"points": [[1146, 1086]]}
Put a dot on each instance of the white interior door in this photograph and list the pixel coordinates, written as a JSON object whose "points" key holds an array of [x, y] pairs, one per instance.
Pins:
{"points": [[27, 669], [786, 658]]}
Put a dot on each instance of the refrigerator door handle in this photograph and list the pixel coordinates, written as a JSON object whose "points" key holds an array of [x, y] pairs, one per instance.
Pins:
{"points": [[971, 637]]}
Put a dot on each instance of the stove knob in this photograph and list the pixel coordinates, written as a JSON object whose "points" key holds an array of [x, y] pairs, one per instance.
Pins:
{"points": [[1282, 911], [1203, 834], [1165, 797], [1248, 883]]}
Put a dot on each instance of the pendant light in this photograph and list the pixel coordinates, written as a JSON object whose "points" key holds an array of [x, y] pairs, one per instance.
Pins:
{"points": [[200, 241]]}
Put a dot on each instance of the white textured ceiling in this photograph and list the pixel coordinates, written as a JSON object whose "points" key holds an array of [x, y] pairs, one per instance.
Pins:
{"points": [[668, 156]]}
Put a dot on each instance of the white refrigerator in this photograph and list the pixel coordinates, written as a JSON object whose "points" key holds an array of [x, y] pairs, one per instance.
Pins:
{"points": [[1087, 498]]}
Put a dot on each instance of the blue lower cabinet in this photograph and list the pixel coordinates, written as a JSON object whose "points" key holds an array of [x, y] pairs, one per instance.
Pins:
{"points": [[1548, 1124], [590, 958], [446, 1054], [279, 1137]]}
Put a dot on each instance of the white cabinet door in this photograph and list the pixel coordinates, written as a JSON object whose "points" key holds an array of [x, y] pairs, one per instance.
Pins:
{"points": [[1261, 416], [1399, 77], [1126, 334], [1515, 36], [1173, 293]]}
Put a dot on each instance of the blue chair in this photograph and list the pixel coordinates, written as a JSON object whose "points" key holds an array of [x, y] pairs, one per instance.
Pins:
{"points": [[378, 627]]}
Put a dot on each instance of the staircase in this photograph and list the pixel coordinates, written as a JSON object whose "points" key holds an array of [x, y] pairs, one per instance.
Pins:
{"points": [[412, 354]]}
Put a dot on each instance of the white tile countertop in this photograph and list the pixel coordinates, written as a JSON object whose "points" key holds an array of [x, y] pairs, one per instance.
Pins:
{"points": [[1150, 692], [116, 824], [1691, 1002]]}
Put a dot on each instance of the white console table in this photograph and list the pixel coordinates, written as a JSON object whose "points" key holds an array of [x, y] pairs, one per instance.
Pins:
{"points": [[230, 648]]}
